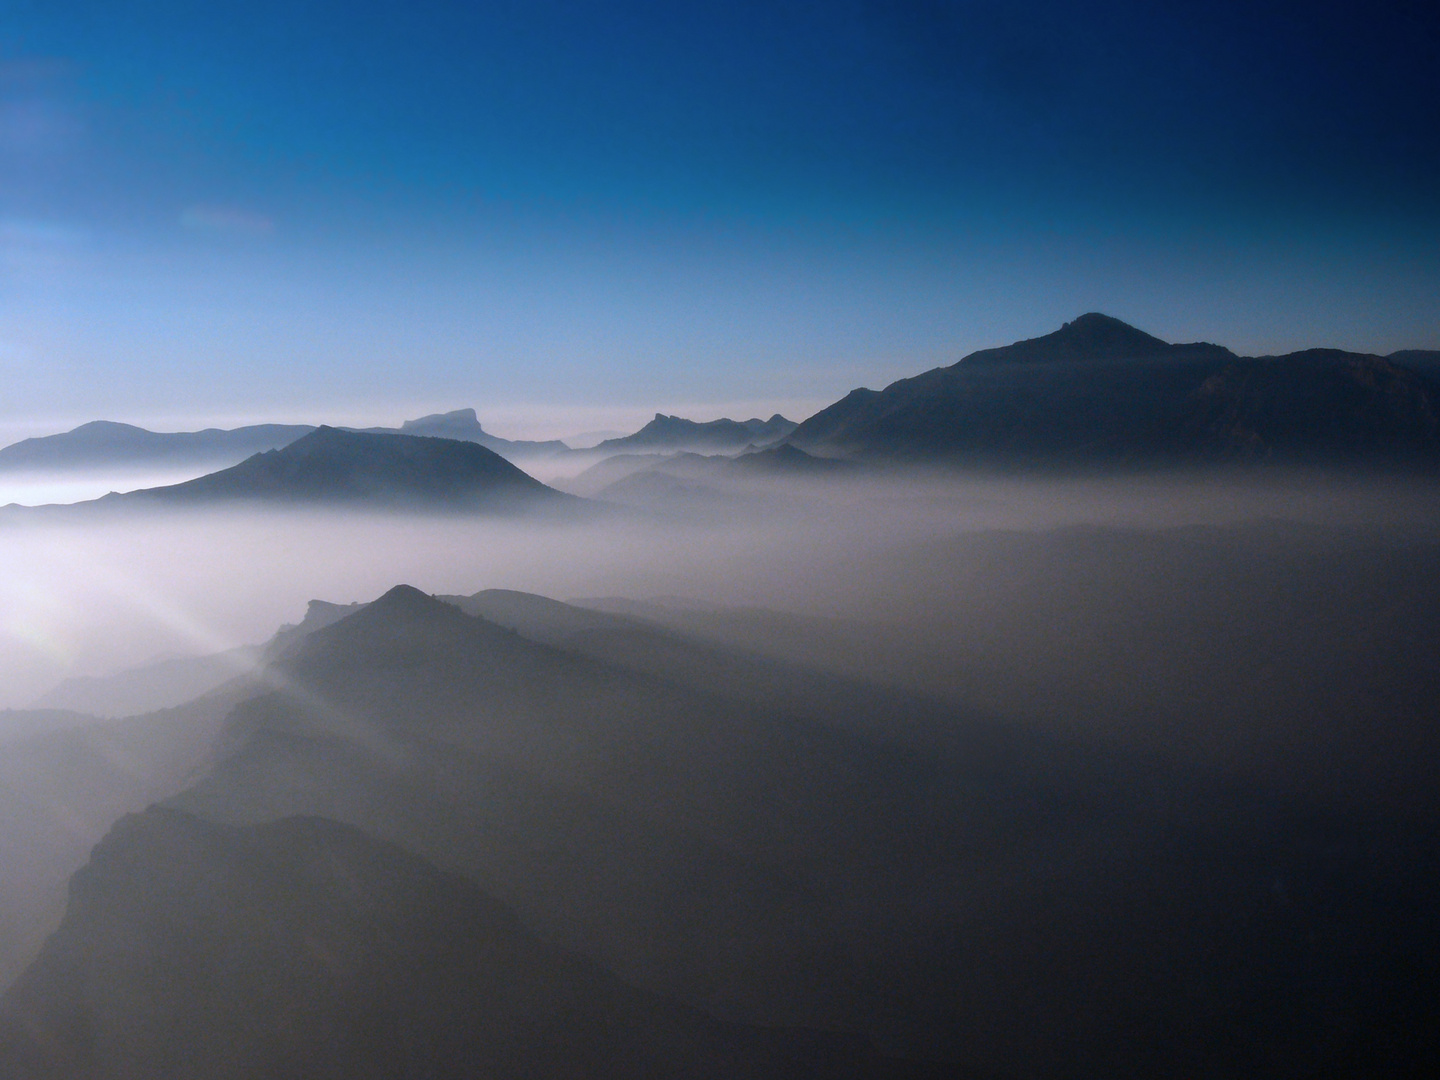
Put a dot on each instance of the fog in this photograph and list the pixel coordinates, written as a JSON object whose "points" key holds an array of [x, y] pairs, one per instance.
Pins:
{"points": [[932, 557], [42, 488], [1011, 735]]}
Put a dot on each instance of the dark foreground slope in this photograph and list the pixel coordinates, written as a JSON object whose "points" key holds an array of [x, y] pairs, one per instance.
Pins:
{"points": [[333, 466], [1010, 900], [1100, 393], [64, 782], [307, 949]]}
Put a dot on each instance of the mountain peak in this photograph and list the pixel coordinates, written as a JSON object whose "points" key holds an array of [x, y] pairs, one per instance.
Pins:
{"points": [[406, 601], [1106, 333], [1091, 336]]}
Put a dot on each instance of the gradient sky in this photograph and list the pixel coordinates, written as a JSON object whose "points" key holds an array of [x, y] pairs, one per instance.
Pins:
{"points": [[570, 214]]}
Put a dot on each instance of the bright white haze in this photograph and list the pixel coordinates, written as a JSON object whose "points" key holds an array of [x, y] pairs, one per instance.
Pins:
{"points": [[98, 595]]}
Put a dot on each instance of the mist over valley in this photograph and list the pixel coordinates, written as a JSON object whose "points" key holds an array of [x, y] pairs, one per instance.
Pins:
{"points": [[872, 745]]}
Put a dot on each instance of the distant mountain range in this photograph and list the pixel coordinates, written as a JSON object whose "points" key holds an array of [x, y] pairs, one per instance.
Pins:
{"points": [[1100, 392], [1096, 392], [103, 444], [674, 433], [335, 466]]}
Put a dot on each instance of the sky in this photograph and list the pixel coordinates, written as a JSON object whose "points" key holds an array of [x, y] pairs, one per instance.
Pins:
{"points": [[569, 215]]}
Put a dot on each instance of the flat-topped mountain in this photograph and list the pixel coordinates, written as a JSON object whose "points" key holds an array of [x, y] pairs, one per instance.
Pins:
{"points": [[331, 465], [464, 425], [1098, 392], [307, 949], [714, 436]]}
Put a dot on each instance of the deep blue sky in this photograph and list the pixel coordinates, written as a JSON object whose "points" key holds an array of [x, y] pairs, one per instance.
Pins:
{"points": [[563, 212]]}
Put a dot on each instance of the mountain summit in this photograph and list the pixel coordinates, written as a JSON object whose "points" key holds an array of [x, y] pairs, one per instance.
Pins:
{"points": [[1090, 337]]}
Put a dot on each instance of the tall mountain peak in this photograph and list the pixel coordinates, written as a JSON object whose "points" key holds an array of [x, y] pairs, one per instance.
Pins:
{"points": [[1092, 336]]}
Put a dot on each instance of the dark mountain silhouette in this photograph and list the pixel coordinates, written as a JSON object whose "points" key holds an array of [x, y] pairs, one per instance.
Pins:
{"points": [[1100, 393], [331, 465], [307, 949], [996, 896], [1424, 361], [715, 436], [104, 444]]}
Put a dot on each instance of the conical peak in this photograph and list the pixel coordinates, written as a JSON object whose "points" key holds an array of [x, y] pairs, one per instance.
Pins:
{"points": [[407, 600], [1094, 331]]}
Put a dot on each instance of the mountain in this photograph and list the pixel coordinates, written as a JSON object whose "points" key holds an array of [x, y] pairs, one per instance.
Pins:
{"points": [[786, 460], [331, 465], [103, 444], [620, 813], [695, 485], [160, 685], [997, 896], [463, 424], [166, 684], [715, 436], [1097, 392], [64, 779], [305, 948], [1424, 361]]}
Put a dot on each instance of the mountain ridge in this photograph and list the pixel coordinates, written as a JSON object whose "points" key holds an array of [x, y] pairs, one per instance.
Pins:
{"points": [[678, 433], [1100, 393]]}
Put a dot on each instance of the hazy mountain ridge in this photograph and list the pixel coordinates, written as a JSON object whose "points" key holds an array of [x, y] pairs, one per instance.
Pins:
{"points": [[166, 684], [690, 843], [63, 785], [654, 804], [1100, 393], [106, 443], [103, 444], [305, 948], [163, 684], [674, 433]]}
